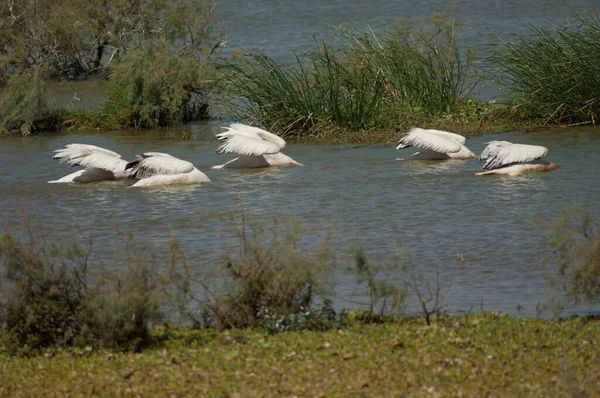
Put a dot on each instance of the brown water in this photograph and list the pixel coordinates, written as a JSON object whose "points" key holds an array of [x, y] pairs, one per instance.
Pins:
{"points": [[434, 209]]}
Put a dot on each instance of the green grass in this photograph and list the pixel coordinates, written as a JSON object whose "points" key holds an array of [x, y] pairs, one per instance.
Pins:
{"points": [[471, 355], [554, 75], [366, 82]]}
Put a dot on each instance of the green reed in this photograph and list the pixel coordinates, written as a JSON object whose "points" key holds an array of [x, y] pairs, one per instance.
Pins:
{"points": [[554, 75], [367, 81]]}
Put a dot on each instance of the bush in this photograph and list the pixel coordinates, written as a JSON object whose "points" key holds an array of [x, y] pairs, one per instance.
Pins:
{"points": [[554, 75], [153, 87], [24, 103], [274, 284], [576, 242], [49, 299]]}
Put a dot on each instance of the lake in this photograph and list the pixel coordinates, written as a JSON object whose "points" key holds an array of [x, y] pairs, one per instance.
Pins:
{"points": [[438, 211]]}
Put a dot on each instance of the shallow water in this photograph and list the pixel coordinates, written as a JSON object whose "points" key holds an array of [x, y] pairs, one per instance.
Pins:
{"points": [[433, 209]]}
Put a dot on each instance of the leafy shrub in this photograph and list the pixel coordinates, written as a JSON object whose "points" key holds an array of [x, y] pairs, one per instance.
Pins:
{"points": [[273, 283], [48, 299], [153, 87], [576, 242], [24, 103], [78, 37]]}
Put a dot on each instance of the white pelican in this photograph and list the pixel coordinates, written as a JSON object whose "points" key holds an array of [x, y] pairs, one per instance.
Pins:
{"points": [[435, 145], [255, 147], [99, 164], [158, 169], [503, 157]]}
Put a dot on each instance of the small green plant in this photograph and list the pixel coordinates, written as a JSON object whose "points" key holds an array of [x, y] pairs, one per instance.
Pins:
{"points": [[576, 243], [428, 295], [385, 297], [273, 283]]}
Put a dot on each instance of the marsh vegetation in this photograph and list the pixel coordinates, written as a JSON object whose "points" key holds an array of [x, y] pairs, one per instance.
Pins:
{"points": [[354, 86]]}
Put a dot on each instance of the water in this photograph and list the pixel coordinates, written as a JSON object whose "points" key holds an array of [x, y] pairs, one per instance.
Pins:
{"points": [[434, 209], [282, 27]]}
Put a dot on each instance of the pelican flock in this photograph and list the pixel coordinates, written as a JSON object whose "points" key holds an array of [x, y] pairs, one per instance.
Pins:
{"points": [[150, 168], [435, 145], [503, 157], [254, 146]]}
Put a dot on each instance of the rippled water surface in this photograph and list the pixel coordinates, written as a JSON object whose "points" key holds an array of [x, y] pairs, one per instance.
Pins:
{"points": [[434, 209]]}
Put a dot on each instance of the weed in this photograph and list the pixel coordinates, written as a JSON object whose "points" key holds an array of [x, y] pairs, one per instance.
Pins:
{"points": [[273, 283]]}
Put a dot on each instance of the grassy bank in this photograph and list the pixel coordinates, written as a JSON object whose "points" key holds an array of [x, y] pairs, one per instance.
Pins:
{"points": [[355, 87], [471, 355]]}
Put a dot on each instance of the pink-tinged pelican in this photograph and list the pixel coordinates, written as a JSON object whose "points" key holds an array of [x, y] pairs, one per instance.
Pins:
{"points": [[435, 145], [154, 169], [98, 164], [254, 146], [503, 157]]}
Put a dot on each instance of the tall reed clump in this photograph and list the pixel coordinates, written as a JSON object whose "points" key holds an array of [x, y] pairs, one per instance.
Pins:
{"points": [[54, 295], [272, 282], [554, 75], [367, 81]]}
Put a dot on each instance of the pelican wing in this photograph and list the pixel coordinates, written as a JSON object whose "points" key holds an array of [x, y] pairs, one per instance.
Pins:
{"points": [[429, 141], [90, 156], [503, 153], [245, 145], [454, 137], [264, 134], [156, 163]]}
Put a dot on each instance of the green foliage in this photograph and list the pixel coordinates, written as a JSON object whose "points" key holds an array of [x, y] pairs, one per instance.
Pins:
{"points": [[151, 87], [370, 81], [48, 299], [24, 103], [554, 75], [158, 54], [44, 299], [576, 242], [273, 283], [82, 36], [385, 297]]}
